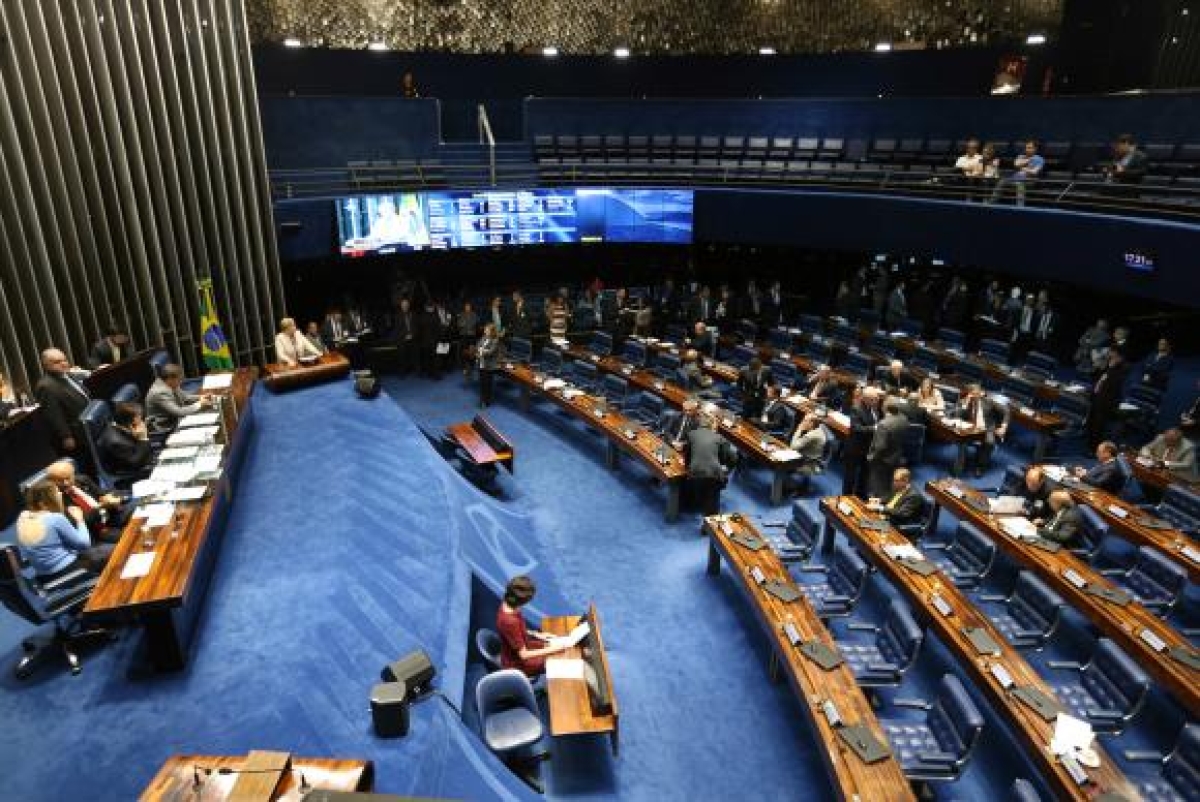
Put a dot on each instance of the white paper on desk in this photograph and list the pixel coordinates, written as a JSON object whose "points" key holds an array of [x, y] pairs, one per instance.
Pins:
{"points": [[564, 668], [217, 381], [198, 419], [442, 348], [178, 453], [192, 437], [1075, 388], [194, 493], [149, 487], [1007, 505], [1054, 472], [576, 635], [137, 565], [1071, 735], [156, 514], [1018, 528], [553, 384], [206, 464], [903, 551], [1126, 407], [175, 474], [784, 455]]}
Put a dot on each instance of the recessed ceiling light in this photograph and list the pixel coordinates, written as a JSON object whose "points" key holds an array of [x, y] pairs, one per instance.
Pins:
{"points": [[1036, 39], [292, 43], [883, 47], [550, 51], [621, 52], [377, 46]]}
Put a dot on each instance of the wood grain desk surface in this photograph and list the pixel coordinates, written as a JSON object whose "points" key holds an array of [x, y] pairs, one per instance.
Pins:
{"points": [[472, 441], [1123, 624], [1033, 732], [175, 781], [569, 701], [644, 445], [331, 365], [1157, 476], [852, 778], [175, 545]]}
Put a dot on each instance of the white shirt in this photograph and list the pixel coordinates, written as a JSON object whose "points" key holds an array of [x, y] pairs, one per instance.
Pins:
{"points": [[970, 164]]}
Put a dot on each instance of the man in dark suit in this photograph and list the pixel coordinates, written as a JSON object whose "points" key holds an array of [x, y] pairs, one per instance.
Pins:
{"points": [[667, 301], [1063, 524], [1036, 492], [702, 340], [406, 335], [674, 426], [690, 376], [752, 383], [1106, 474], [1129, 163], [104, 513], [1157, 371], [1106, 397], [520, 322], [709, 458], [335, 328], [864, 415], [898, 381], [777, 418], [904, 505], [703, 308], [63, 398], [111, 349], [982, 411], [125, 445], [822, 386], [886, 453], [772, 306]]}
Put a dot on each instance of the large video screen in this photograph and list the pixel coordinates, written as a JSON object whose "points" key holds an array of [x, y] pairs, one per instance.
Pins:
{"points": [[415, 221]]}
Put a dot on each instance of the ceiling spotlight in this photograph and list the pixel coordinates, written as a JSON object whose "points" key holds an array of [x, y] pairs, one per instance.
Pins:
{"points": [[883, 47], [1036, 39], [289, 42], [766, 51], [621, 52], [377, 46], [549, 52]]}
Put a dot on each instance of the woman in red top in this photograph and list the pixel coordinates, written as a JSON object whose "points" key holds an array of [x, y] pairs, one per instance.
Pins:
{"points": [[518, 647]]}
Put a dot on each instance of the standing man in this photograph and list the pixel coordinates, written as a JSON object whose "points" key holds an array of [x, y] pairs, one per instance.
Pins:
{"points": [[983, 412], [886, 453], [406, 335], [752, 384], [1106, 396], [864, 415], [487, 354], [709, 457], [63, 397]]}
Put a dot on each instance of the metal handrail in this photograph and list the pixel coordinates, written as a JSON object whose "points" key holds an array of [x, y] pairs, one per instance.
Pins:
{"points": [[485, 137]]}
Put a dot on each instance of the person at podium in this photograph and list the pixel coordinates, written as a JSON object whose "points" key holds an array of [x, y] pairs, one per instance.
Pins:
{"points": [[520, 647], [292, 347]]}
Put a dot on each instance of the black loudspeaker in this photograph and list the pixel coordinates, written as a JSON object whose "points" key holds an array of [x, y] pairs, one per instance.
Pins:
{"points": [[389, 709], [414, 669], [366, 384]]}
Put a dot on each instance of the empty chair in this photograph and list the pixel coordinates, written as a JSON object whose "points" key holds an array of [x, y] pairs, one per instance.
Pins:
{"points": [[1023, 791], [844, 334], [647, 409], [551, 361], [126, 393], [1181, 507], [785, 372], [1019, 390], [882, 345], [882, 150], [615, 390], [666, 365], [780, 338], [1031, 613], [925, 359], [1109, 690], [1073, 409], [832, 148], [520, 350], [969, 558], [781, 147], [509, 720], [676, 333], [747, 331], [585, 375], [819, 350], [914, 443], [884, 660], [487, 643], [938, 748], [1042, 366], [1178, 774], [811, 324], [635, 353], [952, 338], [1091, 535], [845, 578], [1155, 581], [993, 349], [803, 532], [601, 343], [742, 354], [857, 363]]}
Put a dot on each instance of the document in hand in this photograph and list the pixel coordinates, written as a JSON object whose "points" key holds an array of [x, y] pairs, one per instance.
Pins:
{"points": [[576, 635]]}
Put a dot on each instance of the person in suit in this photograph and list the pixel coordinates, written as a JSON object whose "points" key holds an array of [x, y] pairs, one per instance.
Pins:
{"points": [[984, 412], [864, 416], [1036, 492], [1171, 450], [822, 386], [1064, 520], [673, 426], [1189, 421], [886, 452], [702, 308], [810, 441], [497, 317], [1157, 371], [63, 398], [53, 539], [1129, 164], [125, 445], [443, 327], [487, 355], [667, 301], [1106, 474], [405, 334], [690, 376], [111, 348], [702, 340], [1092, 346], [166, 402], [335, 328], [897, 306], [292, 347], [709, 458], [752, 383], [903, 505], [520, 323], [898, 381], [105, 514], [312, 333], [776, 417], [1106, 397], [1045, 319], [466, 326]]}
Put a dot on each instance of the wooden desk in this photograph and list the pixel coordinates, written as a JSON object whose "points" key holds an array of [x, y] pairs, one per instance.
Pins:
{"points": [[852, 778], [806, 366], [104, 382], [482, 442], [1156, 477], [644, 445], [166, 601], [569, 701], [749, 439], [1123, 624], [280, 378], [176, 780], [1033, 733]]}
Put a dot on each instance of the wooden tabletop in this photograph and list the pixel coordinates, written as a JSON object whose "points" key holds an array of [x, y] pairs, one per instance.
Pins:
{"points": [[1123, 624], [569, 702], [176, 544], [1033, 732], [1152, 474], [644, 445], [472, 441], [852, 778], [176, 780], [806, 366], [279, 377], [1035, 420]]}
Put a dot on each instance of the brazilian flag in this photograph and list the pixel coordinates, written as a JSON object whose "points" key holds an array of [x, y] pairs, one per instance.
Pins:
{"points": [[213, 344]]}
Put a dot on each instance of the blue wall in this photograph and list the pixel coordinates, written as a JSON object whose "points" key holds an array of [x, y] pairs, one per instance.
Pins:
{"points": [[309, 132]]}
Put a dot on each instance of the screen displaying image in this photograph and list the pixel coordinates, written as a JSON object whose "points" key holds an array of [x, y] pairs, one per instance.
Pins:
{"points": [[412, 221]]}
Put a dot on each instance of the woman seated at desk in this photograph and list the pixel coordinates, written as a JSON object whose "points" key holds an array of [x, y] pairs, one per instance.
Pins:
{"points": [[292, 347], [53, 540], [929, 397], [517, 642]]}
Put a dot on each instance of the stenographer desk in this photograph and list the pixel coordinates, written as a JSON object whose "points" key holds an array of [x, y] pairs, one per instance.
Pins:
{"points": [[280, 378], [166, 602], [570, 703], [257, 777]]}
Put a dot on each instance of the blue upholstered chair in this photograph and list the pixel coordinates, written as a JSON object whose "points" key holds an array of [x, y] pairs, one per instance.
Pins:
{"points": [[635, 353], [601, 343], [785, 373], [803, 533], [1155, 581], [509, 719], [1023, 791], [487, 643], [845, 578], [1178, 776], [1181, 507], [857, 363], [884, 659], [968, 558], [666, 365], [938, 748], [551, 361], [994, 350], [1031, 613], [615, 389], [1109, 691], [741, 355], [1039, 365], [780, 338], [1091, 534], [520, 350], [952, 338], [127, 393], [647, 409], [585, 375]]}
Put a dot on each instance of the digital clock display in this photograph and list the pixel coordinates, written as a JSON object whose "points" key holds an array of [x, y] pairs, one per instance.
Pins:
{"points": [[1140, 261]]}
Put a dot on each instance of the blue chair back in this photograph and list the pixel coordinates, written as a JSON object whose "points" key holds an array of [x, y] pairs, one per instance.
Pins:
{"points": [[914, 443], [811, 324], [848, 572], [586, 375], [1181, 507], [1041, 365], [858, 363], [635, 353], [900, 638], [785, 373], [1114, 681], [500, 693], [977, 548], [747, 330], [649, 407], [1091, 533], [96, 417], [1181, 769], [742, 355], [601, 343], [952, 338], [1014, 481], [1157, 581], [126, 394], [882, 344], [158, 362], [666, 364], [551, 361], [615, 389], [954, 720], [804, 529], [676, 333], [845, 334], [780, 339], [925, 359], [487, 643], [1019, 390], [1035, 607], [819, 350], [520, 350], [994, 350]]}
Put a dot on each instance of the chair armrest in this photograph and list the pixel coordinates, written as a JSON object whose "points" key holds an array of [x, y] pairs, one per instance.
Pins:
{"points": [[1144, 756], [935, 546], [883, 668], [861, 627], [815, 569], [60, 581], [774, 524], [1113, 572], [834, 598], [1104, 714], [912, 704], [1031, 634], [1191, 632], [993, 597], [1065, 665], [938, 758]]}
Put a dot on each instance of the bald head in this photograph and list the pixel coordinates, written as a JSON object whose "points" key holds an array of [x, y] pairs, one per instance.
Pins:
{"points": [[55, 361], [1033, 479], [1060, 499]]}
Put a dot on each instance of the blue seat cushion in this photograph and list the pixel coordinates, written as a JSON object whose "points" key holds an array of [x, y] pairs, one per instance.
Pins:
{"points": [[510, 729]]}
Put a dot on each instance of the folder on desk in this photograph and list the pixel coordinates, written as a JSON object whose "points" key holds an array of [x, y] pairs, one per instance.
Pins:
{"points": [[982, 641], [1039, 702], [864, 744], [874, 525], [748, 541], [1189, 657], [1110, 595], [785, 593], [922, 567], [821, 654], [1045, 545], [1153, 523]]}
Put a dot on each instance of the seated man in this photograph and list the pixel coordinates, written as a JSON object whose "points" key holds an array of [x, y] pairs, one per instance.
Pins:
{"points": [[822, 386], [898, 381], [691, 377], [125, 445], [312, 333], [703, 341], [1105, 474], [776, 416], [1063, 524], [905, 505], [1036, 493], [111, 349], [809, 441], [166, 402], [985, 413], [1172, 451], [673, 426], [105, 514], [752, 383]]}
